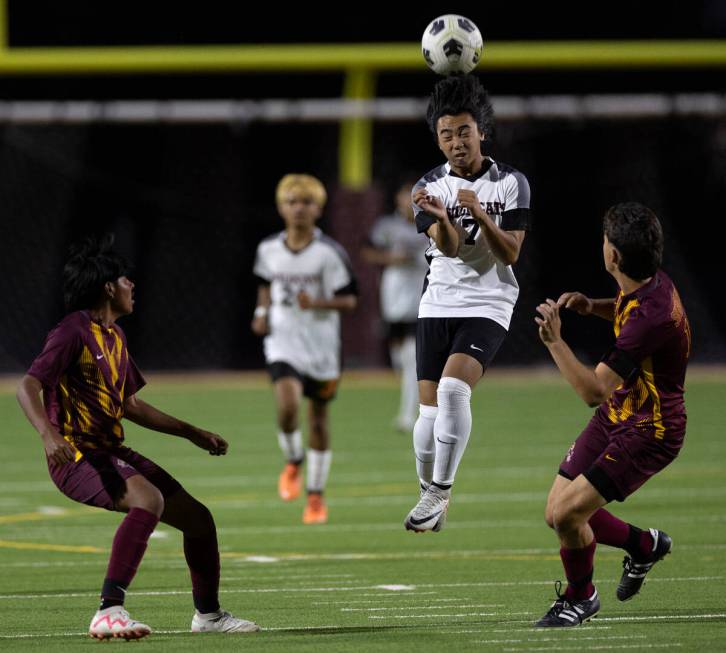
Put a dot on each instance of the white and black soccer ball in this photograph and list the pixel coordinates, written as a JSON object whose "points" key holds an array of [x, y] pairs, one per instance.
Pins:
{"points": [[451, 44]]}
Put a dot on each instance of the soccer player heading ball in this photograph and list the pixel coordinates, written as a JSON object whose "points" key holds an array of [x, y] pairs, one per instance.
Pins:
{"points": [[305, 281], [475, 212], [639, 426], [89, 382]]}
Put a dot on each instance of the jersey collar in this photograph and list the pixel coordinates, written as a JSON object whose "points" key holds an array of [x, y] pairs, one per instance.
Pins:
{"points": [[485, 167]]}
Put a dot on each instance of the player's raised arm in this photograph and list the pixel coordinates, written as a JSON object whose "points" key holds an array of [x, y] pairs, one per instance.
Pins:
{"points": [[584, 305], [146, 415], [505, 245], [593, 385], [442, 232]]}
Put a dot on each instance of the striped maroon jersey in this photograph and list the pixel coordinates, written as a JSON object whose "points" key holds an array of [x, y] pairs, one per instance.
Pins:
{"points": [[652, 346], [86, 373]]}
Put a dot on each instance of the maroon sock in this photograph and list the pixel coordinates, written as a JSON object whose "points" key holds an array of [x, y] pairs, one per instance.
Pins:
{"points": [[578, 564], [202, 554], [129, 545], [639, 544], [608, 529]]}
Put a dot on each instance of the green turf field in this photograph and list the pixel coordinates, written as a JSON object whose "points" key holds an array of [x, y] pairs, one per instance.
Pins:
{"points": [[362, 583]]}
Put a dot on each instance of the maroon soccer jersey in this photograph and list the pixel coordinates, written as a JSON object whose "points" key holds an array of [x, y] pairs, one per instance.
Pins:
{"points": [[86, 372], [653, 341]]}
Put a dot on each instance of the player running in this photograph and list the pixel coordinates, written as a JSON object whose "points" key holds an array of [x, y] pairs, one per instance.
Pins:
{"points": [[305, 281]]}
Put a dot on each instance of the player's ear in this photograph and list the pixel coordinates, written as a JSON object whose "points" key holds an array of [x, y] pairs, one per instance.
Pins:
{"points": [[110, 289]]}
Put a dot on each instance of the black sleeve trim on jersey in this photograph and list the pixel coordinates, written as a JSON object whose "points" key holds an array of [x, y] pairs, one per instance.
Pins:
{"points": [[424, 221], [517, 220], [621, 363], [350, 289], [261, 281]]}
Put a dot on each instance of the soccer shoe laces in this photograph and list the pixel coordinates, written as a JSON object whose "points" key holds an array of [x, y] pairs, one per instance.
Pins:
{"points": [[636, 569], [562, 604], [431, 500]]}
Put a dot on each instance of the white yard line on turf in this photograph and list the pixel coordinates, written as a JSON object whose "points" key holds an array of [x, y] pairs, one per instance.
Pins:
{"points": [[537, 640], [405, 589]]}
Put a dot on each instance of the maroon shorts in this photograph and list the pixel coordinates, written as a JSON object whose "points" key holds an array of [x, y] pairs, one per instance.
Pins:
{"points": [[99, 478], [615, 459]]}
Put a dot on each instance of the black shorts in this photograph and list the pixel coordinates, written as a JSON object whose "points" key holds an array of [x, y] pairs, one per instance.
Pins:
{"points": [[312, 388], [439, 337]]}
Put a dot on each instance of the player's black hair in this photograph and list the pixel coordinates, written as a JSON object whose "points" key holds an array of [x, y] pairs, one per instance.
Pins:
{"points": [[459, 93], [636, 233], [91, 263]]}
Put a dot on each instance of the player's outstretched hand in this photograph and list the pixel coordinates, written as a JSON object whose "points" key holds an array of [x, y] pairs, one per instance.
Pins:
{"points": [[215, 444], [432, 205], [549, 322], [575, 301]]}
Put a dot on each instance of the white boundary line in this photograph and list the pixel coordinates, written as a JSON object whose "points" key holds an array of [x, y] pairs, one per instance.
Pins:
{"points": [[408, 591]]}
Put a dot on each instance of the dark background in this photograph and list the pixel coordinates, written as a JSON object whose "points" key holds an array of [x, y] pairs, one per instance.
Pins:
{"points": [[189, 203]]}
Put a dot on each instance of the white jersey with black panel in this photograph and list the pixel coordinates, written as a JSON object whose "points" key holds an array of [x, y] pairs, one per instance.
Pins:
{"points": [[474, 283], [307, 339]]}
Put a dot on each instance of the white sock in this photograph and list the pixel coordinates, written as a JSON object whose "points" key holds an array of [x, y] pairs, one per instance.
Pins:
{"points": [[291, 446], [409, 385], [318, 464], [452, 428], [423, 442], [394, 351]]}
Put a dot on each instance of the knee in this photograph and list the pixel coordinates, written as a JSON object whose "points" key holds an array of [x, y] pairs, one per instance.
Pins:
{"points": [[152, 500], [565, 519], [202, 524], [287, 419], [549, 516], [453, 391]]}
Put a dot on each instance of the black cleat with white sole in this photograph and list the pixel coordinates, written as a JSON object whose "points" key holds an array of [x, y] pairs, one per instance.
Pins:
{"points": [[634, 571], [566, 613]]}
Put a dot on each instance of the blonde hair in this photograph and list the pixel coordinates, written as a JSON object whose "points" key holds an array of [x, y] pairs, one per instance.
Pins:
{"points": [[306, 184]]}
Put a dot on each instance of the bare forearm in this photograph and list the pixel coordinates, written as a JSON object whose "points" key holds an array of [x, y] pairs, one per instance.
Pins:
{"points": [[582, 378], [28, 396], [446, 238], [604, 308], [342, 303], [505, 245], [143, 414]]}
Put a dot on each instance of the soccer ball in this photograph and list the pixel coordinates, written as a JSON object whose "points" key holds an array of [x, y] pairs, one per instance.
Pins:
{"points": [[451, 44]]}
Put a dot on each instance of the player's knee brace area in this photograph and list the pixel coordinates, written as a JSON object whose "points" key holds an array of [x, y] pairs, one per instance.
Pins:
{"points": [[453, 393], [454, 397]]}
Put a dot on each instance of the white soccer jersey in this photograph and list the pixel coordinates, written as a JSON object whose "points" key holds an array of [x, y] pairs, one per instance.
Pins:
{"points": [[309, 340], [474, 283], [401, 283]]}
